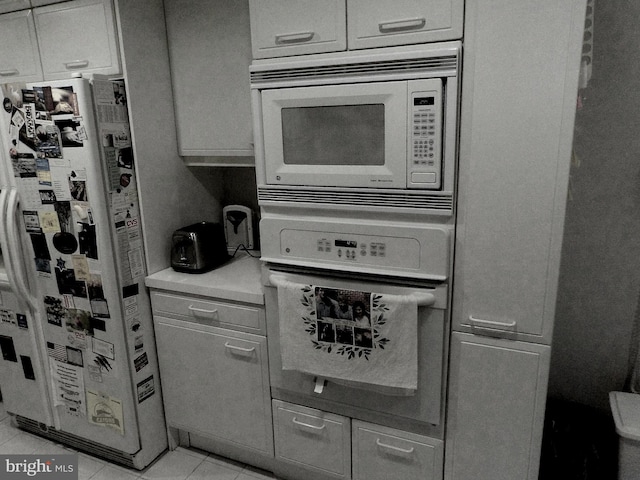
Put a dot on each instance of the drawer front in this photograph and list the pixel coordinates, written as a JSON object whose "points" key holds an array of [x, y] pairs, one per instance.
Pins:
{"points": [[209, 312], [312, 439], [293, 27], [380, 453]]}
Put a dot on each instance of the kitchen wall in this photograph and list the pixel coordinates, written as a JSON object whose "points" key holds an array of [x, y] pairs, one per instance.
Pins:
{"points": [[600, 270]]}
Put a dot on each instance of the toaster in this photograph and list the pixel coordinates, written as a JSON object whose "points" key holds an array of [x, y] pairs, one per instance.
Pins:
{"points": [[198, 248]]}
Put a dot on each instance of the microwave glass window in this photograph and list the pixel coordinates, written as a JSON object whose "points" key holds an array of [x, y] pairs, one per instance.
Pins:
{"points": [[333, 135]]}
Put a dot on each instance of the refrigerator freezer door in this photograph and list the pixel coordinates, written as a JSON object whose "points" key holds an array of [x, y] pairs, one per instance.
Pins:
{"points": [[72, 163]]}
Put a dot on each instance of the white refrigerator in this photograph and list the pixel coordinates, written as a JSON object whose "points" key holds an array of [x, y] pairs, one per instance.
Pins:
{"points": [[78, 362]]}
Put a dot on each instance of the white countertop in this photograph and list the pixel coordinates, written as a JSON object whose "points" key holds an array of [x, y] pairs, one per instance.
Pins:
{"points": [[237, 280]]}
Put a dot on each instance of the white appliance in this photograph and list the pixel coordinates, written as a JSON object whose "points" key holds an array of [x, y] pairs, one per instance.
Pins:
{"points": [[369, 129], [238, 227], [79, 362]]}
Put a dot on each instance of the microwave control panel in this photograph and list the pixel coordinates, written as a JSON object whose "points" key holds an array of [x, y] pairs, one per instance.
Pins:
{"points": [[424, 169]]}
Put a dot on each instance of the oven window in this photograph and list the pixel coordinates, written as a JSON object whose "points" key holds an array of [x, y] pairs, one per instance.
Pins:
{"points": [[333, 135]]}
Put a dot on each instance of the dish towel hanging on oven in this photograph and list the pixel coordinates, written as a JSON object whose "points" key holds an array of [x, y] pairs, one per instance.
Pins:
{"points": [[349, 335]]}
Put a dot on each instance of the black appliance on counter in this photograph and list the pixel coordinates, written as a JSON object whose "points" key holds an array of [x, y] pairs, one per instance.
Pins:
{"points": [[198, 248]]}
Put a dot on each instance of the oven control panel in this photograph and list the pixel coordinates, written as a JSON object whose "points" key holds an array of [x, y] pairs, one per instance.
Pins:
{"points": [[412, 251], [352, 249]]}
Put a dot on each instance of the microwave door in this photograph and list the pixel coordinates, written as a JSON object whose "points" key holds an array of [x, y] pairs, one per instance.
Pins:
{"points": [[336, 136]]}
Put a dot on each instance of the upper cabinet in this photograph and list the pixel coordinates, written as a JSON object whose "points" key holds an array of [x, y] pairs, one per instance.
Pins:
{"points": [[402, 22], [282, 28], [36, 47], [19, 56], [13, 5], [210, 52], [292, 27], [89, 43]]}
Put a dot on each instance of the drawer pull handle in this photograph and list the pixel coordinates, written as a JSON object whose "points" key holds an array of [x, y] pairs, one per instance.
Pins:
{"points": [[402, 25], [213, 314], [239, 349], [76, 64], [306, 425], [300, 37], [478, 322], [394, 449], [9, 73]]}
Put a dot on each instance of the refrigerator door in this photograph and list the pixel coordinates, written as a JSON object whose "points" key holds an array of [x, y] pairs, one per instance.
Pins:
{"points": [[74, 171], [23, 378]]}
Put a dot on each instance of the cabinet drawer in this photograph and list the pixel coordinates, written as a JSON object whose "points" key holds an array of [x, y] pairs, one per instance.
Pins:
{"points": [[382, 453], [312, 439], [402, 22], [293, 27], [210, 312]]}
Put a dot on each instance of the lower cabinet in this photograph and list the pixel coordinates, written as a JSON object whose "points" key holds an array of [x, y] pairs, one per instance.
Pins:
{"points": [[215, 382], [339, 447], [495, 415]]}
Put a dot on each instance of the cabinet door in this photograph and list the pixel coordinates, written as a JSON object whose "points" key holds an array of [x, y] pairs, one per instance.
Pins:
{"points": [[13, 5], [77, 36], [19, 56], [281, 28], [210, 53], [401, 22], [521, 66], [497, 397], [215, 382]]}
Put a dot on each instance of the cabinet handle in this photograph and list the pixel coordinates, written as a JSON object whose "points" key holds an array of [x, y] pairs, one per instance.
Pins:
{"points": [[394, 449], [306, 425], [9, 73], [299, 37], [239, 349], [478, 322], [201, 312], [402, 25], [76, 64]]}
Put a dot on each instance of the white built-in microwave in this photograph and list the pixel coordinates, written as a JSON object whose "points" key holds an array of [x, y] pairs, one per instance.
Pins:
{"points": [[373, 127]]}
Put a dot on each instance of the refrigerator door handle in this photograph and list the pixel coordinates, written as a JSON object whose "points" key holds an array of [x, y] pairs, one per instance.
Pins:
{"points": [[4, 240], [19, 284], [19, 275]]}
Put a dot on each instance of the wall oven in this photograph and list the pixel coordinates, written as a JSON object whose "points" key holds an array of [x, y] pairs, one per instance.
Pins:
{"points": [[346, 255], [420, 411], [365, 129], [356, 171]]}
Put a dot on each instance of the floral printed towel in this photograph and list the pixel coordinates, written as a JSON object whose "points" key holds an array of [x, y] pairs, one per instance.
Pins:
{"points": [[349, 335]]}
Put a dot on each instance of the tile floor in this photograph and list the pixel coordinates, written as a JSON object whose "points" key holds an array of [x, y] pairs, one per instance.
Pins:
{"points": [[180, 464]]}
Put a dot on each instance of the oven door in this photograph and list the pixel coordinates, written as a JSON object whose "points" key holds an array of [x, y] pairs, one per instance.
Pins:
{"points": [[421, 412]]}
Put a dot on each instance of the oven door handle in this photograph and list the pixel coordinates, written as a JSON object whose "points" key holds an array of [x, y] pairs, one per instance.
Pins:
{"points": [[422, 299]]}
